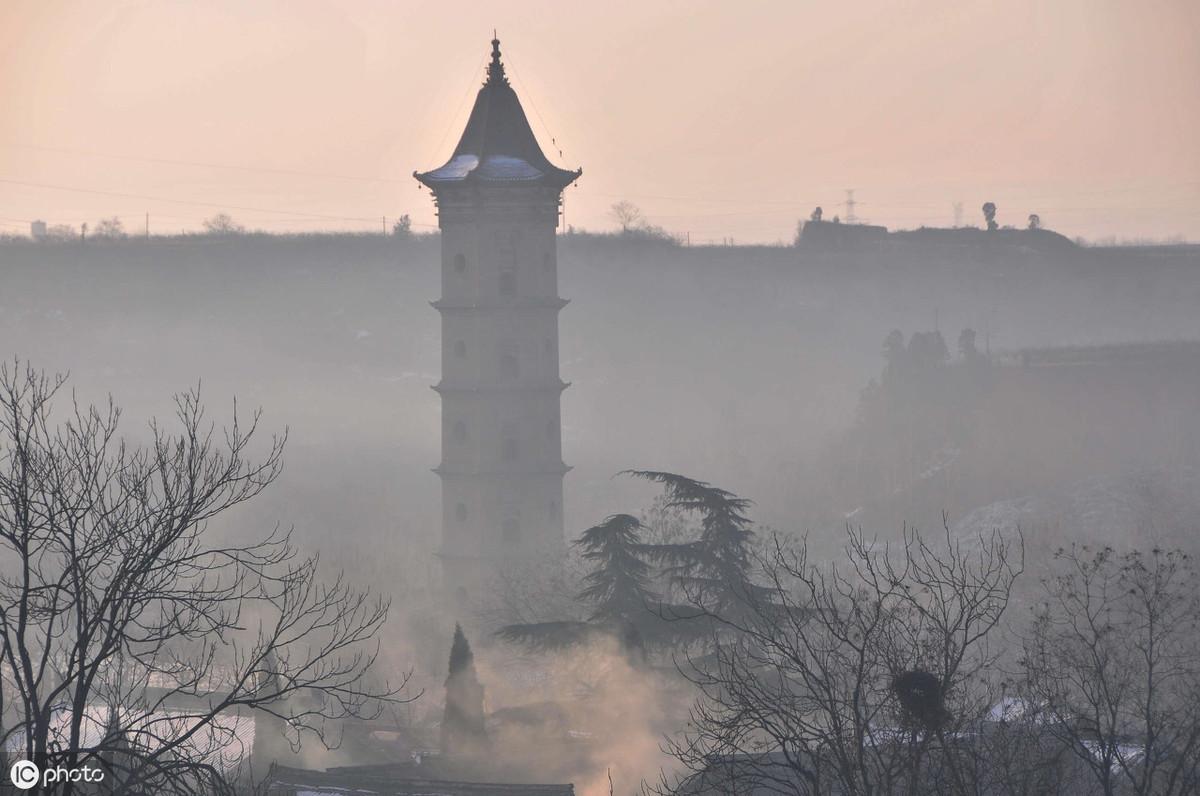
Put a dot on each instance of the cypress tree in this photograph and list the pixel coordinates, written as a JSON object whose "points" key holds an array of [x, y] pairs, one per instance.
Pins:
{"points": [[463, 731]]}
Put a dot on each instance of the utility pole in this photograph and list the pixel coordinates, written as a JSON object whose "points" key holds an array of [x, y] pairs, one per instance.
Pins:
{"points": [[147, 225], [958, 213], [385, 226], [850, 204]]}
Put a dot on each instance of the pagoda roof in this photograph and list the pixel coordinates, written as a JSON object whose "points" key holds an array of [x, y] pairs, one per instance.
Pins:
{"points": [[498, 145]]}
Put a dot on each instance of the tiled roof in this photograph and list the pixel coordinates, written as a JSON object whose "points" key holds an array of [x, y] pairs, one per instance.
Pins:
{"points": [[498, 145], [392, 781]]}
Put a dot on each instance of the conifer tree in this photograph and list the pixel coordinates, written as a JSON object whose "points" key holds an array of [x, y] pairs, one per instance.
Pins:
{"points": [[714, 570], [617, 590], [463, 731], [619, 585], [712, 575]]}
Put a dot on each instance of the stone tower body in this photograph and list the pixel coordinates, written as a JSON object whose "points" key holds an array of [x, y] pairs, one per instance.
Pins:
{"points": [[498, 200]]}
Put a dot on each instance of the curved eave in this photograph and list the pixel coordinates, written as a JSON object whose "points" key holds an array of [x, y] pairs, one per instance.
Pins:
{"points": [[442, 388], [556, 304], [551, 471], [444, 177]]}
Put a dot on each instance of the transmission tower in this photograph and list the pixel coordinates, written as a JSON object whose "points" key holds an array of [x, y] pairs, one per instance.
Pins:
{"points": [[850, 204]]}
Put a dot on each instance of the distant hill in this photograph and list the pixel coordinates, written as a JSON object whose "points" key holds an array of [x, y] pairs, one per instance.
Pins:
{"points": [[734, 364]]}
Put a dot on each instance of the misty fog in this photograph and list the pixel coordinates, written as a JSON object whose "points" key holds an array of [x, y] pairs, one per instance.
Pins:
{"points": [[882, 508], [740, 365]]}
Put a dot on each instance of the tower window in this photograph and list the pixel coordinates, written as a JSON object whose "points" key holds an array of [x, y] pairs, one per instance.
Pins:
{"points": [[460, 431], [460, 349], [460, 264], [460, 512], [511, 530], [508, 282]]}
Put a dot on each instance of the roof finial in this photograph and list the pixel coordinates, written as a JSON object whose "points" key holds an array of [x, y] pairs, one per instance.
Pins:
{"points": [[495, 68]]}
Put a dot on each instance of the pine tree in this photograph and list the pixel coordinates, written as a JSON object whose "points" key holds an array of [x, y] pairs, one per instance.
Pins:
{"points": [[618, 586], [714, 570], [712, 574], [617, 589], [463, 731]]}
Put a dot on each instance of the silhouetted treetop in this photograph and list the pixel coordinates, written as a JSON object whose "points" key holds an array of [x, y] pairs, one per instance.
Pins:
{"points": [[462, 660], [619, 585], [989, 215], [715, 568]]}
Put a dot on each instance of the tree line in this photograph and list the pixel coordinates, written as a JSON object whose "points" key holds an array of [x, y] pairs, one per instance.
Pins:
{"points": [[134, 640], [903, 666]]}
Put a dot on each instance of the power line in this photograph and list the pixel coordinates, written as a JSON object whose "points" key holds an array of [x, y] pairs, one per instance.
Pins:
{"points": [[219, 205], [462, 101], [207, 165], [532, 101], [1003, 195]]}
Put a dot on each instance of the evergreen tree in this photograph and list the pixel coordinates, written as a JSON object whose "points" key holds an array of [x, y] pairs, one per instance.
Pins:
{"points": [[619, 585], [712, 574], [617, 590], [714, 570], [463, 731]]}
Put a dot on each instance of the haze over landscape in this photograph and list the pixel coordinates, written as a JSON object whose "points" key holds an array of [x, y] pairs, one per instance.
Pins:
{"points": [[728, 481]]}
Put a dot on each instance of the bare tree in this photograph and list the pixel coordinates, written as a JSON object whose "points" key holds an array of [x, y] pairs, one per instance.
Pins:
{"points": [[1035, 221], [1113, 659], [133, 639], [61, 233], [109, 228], [627, 215], [850, 680], [222, 224], [540, 590]]}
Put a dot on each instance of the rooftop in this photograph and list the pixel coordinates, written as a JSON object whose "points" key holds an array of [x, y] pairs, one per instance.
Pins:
{"points": [[498, 145], [400, 780]]}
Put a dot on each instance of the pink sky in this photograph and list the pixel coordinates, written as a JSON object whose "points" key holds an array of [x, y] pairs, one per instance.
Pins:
{"points": [[723, 120]]}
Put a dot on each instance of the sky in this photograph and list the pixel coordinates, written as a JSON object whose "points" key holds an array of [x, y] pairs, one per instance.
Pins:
{"points": [[721, 121]]}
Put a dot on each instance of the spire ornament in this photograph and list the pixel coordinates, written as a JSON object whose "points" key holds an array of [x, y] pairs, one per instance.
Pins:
{"points": [[496, 74]]}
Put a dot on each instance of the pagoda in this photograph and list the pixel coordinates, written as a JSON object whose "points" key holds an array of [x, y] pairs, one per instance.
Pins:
{"points": [[498, 201]]}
